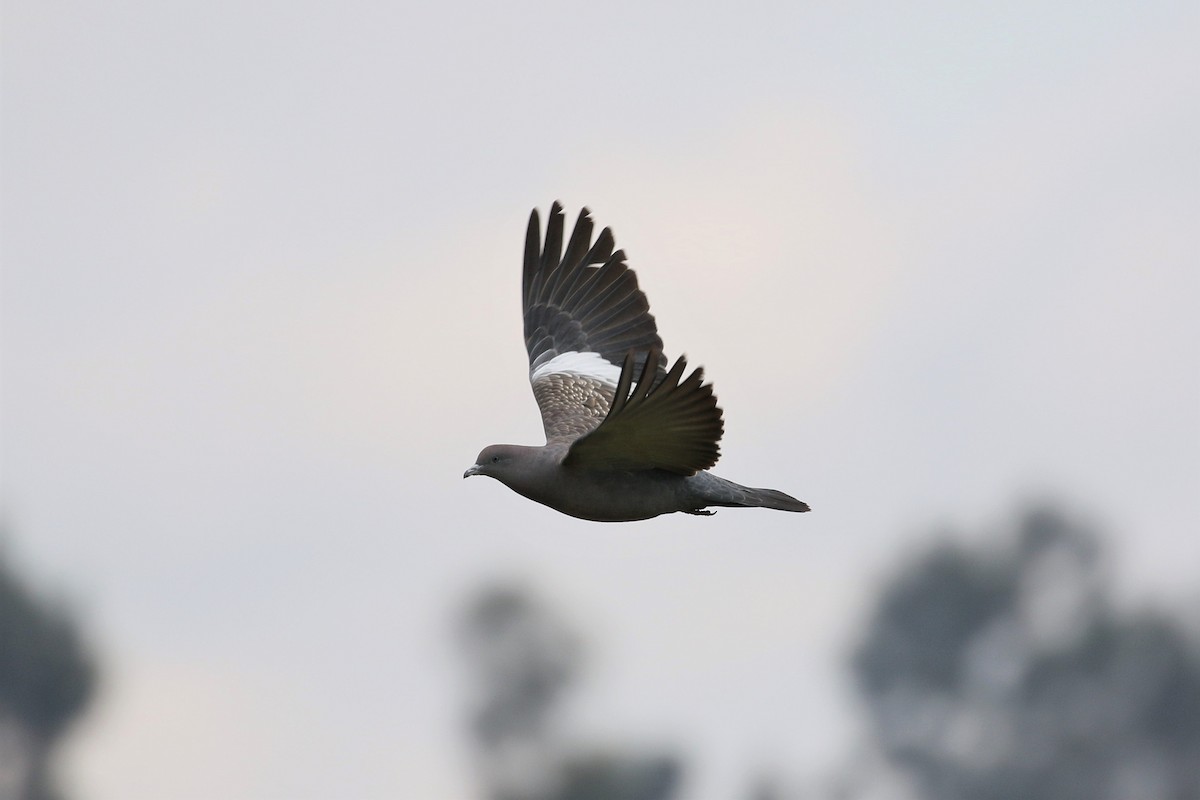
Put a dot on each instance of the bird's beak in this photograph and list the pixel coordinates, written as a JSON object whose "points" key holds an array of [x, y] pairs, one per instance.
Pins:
{"points": [[471, 470]]}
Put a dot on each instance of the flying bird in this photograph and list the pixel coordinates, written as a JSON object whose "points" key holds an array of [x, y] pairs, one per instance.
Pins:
{"points": [[626, 438]]}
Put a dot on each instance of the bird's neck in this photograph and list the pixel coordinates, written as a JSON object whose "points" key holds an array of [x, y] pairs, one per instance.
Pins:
{"points": [[537, 470]]}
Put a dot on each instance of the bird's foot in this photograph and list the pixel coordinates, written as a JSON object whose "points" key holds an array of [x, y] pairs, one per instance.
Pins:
{"points": [[700, 512]]}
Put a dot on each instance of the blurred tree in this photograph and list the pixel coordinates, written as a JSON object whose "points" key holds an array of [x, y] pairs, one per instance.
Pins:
{"points": [[522, 658], [1008, 675], [46, 678]]}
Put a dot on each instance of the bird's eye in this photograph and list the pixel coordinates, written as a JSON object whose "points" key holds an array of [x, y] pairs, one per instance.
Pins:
{"points": [[495, 459]]}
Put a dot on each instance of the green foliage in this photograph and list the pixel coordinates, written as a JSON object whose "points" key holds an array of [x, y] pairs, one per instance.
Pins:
{"points": [[46, 679], [45, 676], [1008, 674], [523, 659]]}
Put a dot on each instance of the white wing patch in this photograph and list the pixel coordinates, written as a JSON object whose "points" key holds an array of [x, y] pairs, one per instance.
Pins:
{"points": [[584, 365], [574, 390]]}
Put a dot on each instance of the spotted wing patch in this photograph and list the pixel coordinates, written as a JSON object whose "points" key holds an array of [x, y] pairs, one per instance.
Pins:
{"points": [[574, 392], [572, 405]]}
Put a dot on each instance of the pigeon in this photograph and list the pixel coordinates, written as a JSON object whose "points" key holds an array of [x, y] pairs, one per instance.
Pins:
{"points": [[626, 438]]}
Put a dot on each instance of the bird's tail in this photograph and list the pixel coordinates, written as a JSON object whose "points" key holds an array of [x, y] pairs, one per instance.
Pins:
{"points": [[773, 498], [718, 491]]}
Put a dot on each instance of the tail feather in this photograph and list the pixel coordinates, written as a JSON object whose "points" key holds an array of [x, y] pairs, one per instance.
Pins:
{"points": [[717, 491], [773, 498]]}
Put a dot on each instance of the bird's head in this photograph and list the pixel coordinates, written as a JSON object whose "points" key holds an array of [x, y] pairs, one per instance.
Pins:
{"points": [[495, 461]]}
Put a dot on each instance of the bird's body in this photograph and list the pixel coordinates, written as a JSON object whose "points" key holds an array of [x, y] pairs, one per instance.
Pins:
{"points": [[625, 438], [619, 495]]}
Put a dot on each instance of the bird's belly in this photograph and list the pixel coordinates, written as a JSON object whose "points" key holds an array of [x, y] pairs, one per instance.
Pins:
{"points": [[616, 496]]}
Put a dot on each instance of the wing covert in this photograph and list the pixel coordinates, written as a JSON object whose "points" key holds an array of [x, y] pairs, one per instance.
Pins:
{"points": [[669, 424]]}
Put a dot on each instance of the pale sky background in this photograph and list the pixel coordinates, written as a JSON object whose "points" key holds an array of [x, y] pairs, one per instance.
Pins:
{"points": [[260, 310]]}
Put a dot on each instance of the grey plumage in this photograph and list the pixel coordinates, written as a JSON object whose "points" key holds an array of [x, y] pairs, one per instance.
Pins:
{"points": [[626, 439]]}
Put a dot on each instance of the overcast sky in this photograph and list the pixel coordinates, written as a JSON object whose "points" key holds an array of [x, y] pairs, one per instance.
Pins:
{"points": [[260, 310]]}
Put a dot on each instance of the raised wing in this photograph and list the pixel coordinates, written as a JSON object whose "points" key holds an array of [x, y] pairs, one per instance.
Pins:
{"points": [[667, 424], [583, 313]]}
